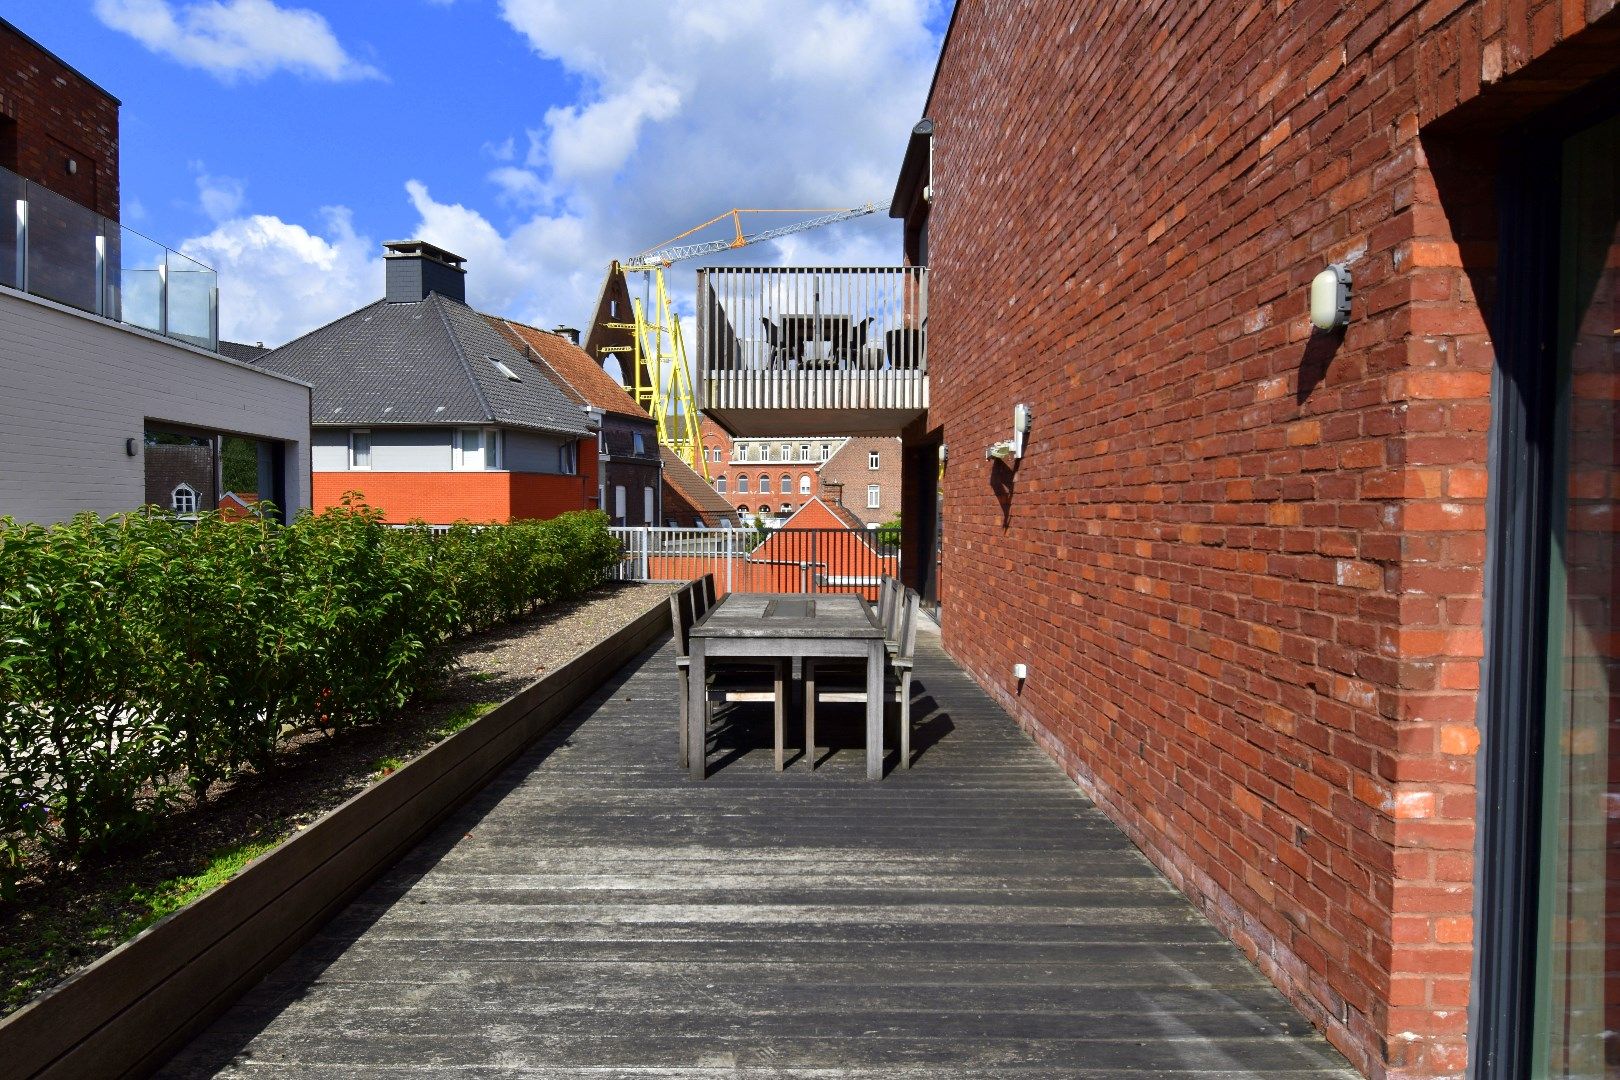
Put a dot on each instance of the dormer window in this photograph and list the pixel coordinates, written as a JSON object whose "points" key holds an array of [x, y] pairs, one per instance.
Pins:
{"points": [[183, 500]]}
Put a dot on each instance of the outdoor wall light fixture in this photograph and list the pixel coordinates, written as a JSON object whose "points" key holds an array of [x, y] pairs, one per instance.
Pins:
{"points": [[1020, 672], [1330, 298], [1012, 449], [129, 448]]}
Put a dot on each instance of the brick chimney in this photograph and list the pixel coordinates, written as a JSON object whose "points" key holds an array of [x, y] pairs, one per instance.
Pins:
{"points": [[415, 268], [832, 491]]}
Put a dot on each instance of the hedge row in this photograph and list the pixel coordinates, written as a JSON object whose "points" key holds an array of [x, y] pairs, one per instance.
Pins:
{"points": [[143, 657]]}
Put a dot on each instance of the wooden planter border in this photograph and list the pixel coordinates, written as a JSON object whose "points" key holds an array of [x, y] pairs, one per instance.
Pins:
{"points": [[128, 1012]]}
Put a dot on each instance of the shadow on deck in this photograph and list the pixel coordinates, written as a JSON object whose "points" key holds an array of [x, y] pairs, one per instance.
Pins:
{"points": [[596, 913]]}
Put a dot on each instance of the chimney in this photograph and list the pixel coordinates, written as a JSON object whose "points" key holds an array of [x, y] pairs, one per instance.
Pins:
{"points": [[415, 268], [569, 332], [833, 490]]}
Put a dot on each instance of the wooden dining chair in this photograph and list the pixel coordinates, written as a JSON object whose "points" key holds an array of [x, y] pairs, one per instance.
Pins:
{"points": [[727, 681], [846, 683], [706, 584]]}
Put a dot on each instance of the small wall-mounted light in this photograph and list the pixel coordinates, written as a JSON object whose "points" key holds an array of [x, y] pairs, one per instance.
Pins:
{"points": [[1330, 298], [1012, 449], [1020, 672], [131, 447], [73, 166], [942, 453]]}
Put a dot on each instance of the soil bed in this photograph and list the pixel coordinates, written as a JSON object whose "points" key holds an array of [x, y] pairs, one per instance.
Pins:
{"points": [[66, 916]]}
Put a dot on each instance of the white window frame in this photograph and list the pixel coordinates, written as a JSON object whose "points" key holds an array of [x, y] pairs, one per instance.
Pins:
{"points": [[191, 494], [741, 450], [619, 506], [720, 484], [787, 508], [764, 483], [742, 483], [568, 458], [786, 450], [489, 449], [826, 452], [874, 496], [354, 459], [804, 483], [786, 480], [804, 451], [872, 460], [648, 510]]}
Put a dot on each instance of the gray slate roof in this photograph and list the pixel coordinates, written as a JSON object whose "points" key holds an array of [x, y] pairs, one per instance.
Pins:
{"points": [[422, 363]]}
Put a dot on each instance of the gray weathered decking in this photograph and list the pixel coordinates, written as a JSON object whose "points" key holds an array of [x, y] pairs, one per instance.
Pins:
{"points": [[596, 913]]}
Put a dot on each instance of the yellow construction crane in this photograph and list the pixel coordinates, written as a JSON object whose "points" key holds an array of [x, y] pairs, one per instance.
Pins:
{"points": [[657, 375]]}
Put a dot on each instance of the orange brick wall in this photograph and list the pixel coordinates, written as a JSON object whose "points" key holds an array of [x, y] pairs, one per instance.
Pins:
{"points": [[1244, 563], [445, 497]]}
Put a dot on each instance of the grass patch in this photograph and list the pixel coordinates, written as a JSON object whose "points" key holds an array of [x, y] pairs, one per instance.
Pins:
{"points": [[463, 716], [150, 903], [385, 765]]}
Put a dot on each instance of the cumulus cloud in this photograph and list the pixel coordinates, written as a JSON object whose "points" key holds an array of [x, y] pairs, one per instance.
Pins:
{"points": [[237, 39], [279, 280]]}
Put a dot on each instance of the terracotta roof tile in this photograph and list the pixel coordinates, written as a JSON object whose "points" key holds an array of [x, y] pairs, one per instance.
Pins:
{"points": [[574, 366]]}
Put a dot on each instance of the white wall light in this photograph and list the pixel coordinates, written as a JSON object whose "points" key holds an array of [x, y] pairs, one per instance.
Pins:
{"points": [[1012, 449], [1330, 298]]}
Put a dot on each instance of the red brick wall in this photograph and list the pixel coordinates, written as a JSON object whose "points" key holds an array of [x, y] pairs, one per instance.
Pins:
{"points": [[58, 115], [1243, 562], [847, 474]]}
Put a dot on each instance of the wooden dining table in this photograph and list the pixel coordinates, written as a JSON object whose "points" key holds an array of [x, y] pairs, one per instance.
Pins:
{"points": [[788, 628]]}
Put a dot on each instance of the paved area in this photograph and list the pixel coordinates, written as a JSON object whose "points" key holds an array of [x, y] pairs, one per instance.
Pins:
{"points": [[598, 914]]}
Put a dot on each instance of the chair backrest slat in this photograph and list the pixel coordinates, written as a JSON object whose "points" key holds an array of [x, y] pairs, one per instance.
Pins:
{"points": [[908, 629], [681, 617], [708, 592]]}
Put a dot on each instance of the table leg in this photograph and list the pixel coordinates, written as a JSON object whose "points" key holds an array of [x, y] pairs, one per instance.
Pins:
{"points": [[697, 712], [781, 711], [874, 710], [810, 713]]}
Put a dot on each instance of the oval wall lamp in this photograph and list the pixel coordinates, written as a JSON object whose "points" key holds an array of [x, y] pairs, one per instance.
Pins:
{"points": [[1330, 298]]}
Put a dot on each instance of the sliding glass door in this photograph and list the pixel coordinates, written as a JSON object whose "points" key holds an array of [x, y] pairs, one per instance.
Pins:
{"points": [[1577, 977]]}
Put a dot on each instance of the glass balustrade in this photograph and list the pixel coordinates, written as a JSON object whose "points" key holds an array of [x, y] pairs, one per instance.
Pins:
{"points": [[52, 247]]}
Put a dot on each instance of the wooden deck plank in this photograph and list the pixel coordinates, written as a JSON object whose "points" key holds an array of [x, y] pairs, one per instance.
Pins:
{"points": [[597, 913]]}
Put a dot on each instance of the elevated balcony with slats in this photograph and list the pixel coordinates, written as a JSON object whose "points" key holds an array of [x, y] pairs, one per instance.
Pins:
{"points": [[813, 350]]}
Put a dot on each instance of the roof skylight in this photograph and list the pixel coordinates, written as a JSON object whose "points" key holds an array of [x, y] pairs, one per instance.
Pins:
{"points": [[500, 366]]}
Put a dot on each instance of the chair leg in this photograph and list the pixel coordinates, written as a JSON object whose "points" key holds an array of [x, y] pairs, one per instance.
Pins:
{"points": [[686, 737], [905, 720], [781, 714], [810, 713]]}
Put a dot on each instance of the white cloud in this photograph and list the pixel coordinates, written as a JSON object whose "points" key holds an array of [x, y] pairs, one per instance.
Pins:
{"points": [[221, 197], [279, 280], [232, 39]]}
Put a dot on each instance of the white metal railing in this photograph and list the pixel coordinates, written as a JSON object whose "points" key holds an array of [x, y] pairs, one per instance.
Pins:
{"points": [[65, 252], [813, 338], [742, 560]]}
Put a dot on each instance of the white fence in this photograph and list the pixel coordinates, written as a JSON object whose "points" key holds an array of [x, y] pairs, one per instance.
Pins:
{"points": [[741, 560]]}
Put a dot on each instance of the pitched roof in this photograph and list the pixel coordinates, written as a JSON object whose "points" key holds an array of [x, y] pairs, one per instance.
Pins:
{"points": [[573, 366], [684, 486], [241, 350], [431, 362], [840, 517]]}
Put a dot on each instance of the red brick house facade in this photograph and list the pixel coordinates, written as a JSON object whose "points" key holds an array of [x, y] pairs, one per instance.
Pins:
{"points": [[768, 477], [863, 476], [1246, 562], [57, 128]]}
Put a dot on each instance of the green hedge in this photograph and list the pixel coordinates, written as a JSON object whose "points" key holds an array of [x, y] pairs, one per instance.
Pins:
{"points": [[143, 657]]}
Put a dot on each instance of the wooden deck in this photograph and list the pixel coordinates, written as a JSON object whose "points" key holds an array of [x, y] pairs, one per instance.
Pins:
{"points": [[598, 914]]}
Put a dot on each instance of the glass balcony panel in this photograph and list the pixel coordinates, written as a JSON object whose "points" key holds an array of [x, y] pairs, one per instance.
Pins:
{"points": [[11, 193], [63, 239], [140, 281], [191, 300]]}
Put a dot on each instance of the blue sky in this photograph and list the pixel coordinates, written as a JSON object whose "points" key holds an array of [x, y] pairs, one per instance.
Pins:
{"points": [[282, 142]]}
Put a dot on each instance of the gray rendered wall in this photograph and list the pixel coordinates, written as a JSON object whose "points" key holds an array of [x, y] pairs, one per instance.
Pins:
{"points": [[392, 449], [532, 453], [74, 387]]}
